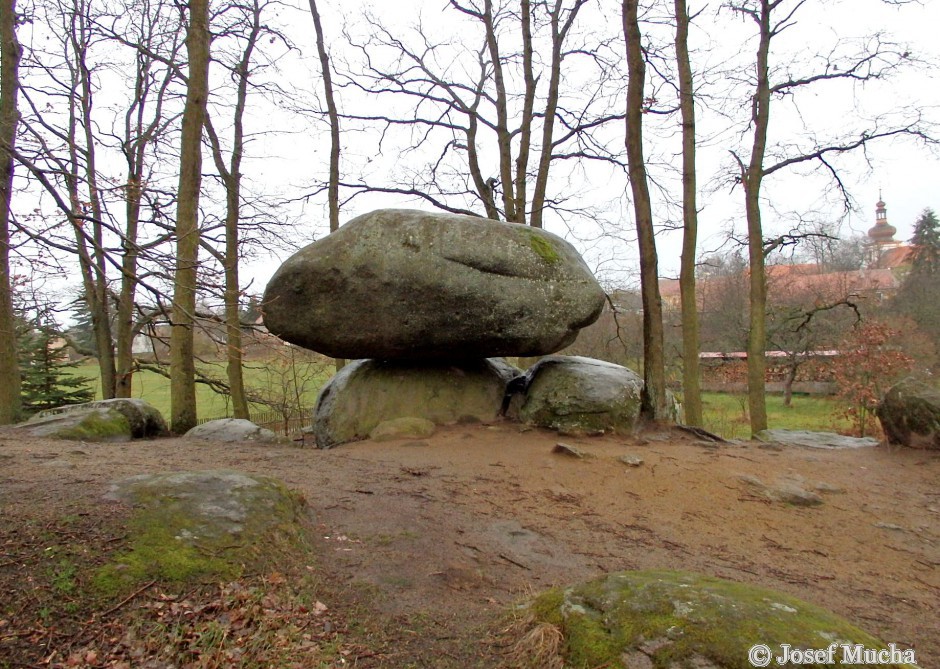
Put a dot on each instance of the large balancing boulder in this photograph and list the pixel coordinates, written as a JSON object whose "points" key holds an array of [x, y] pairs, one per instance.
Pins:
{"points": [[660, 619], [367, 393], [398, 283], [579, 395], [910, 414]]}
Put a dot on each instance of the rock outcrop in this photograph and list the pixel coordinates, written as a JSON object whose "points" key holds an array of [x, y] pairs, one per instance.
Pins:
{"points": [[809, 439], [910, 415], [404, 284], [366, 393]]}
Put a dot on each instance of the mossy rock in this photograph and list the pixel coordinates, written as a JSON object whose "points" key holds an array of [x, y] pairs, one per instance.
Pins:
{"points": [[199, 525], [141, 421], [679, 620], [95, 424]]}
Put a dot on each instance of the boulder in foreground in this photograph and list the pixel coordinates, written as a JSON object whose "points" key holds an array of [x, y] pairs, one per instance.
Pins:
{"points": [[404, 284], [202, 524], [664, 619], [366, 393]]}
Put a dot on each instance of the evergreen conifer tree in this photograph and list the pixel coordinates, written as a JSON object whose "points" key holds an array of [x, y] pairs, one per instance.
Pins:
{"points": [[46, 383]]}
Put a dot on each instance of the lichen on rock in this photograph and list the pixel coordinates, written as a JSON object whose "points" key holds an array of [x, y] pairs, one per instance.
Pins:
{"points": [[673, 620], [202, 524]]}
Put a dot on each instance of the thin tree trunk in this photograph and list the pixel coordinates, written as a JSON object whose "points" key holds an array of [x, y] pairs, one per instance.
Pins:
{"points": [[503, 137], [125, 309], [788, 383], [752, 178], [653, 400], [559, 34], [182, 361], [333, 114], [528, 105], [10, 402], [103, 336], [691, 390]]}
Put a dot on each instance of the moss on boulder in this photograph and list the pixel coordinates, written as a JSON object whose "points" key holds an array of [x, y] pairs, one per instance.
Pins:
{"points": [[669, 619], [98, 421], [202, 524], [407, 427], [96, 424]]}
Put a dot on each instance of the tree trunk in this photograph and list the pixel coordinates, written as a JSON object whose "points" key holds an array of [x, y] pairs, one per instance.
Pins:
{"points": [[333, 114], [10, 402], [102, 301], [503, 136], [691, 390], [559, 33], [653, 401], [788, 383], [752, 177], [125, 309], [182, 361]]}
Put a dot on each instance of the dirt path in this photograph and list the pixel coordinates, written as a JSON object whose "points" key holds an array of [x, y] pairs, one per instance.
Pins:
{"points": [[435, 539]]}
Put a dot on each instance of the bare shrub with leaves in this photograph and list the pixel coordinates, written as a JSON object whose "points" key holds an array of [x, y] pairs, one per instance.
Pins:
{"points": [[870, 361]]}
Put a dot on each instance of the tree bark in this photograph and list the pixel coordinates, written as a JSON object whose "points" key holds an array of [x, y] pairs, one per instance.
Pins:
{"points": [[752, 177], [691, 390], [182, 361], [331, 110], [10, 402], [559, 34], [653, 400]]}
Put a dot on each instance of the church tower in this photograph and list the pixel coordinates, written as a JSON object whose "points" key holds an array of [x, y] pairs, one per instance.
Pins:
{"points": [[881, 236]]}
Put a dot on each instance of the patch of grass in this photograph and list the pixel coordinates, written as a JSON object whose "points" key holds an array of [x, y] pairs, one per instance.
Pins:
{"points": [[155, 388], [726, 414]]}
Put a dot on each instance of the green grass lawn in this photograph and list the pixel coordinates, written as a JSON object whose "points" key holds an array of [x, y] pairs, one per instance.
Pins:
{"points": [[725, 414], [272, 379]]}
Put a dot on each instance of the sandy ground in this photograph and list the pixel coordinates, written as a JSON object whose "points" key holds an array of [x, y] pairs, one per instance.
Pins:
{"points": [[438, 537]]}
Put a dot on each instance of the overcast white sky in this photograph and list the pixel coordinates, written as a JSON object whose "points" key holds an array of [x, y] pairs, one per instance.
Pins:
{"points": [[907, 175]]}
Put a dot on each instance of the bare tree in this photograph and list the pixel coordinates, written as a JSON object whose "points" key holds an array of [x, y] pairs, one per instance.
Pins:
{"points": [[875, 58], [182, 360], [10, 404], [231, 177], [494, 117], [691, 390], [326, 72]]}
